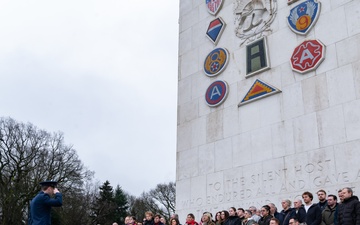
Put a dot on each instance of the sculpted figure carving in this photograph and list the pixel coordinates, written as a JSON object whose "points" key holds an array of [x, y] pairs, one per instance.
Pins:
{"points": [[253, 17]]}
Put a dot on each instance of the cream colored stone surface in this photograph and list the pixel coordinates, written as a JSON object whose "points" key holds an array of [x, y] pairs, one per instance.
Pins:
{"points": [[305, 138]]}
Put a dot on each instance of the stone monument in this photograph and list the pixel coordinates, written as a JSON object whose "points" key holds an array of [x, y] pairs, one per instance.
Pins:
{"points": [[268, 102]]}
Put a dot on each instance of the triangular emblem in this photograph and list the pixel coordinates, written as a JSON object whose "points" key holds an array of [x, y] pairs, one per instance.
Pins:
{"points": [[215, 29], [257, 91]]}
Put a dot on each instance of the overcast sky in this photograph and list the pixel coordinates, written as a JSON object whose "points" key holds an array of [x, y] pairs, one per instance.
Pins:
{"points": [[103, 72]]}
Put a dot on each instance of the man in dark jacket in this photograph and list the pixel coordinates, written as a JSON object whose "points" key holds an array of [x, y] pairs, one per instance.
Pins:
{"points": [[40, 206], [322, 199], [298, 211], [349, 210], [329, 214], [313, 211]]}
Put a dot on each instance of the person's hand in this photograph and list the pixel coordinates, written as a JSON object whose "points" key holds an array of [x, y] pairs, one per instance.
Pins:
{"points": [[56, 191]]}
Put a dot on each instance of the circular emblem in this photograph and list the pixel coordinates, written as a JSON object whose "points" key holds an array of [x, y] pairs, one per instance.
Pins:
{"points": [[216, 61], [216, 93]]}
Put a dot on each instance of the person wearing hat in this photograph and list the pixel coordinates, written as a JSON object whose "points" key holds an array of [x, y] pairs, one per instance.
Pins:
{"points": [[40, 206]]}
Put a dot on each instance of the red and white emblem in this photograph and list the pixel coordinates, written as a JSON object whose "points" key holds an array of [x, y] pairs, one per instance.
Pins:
{"points": [[213, 6], [307, 56]]}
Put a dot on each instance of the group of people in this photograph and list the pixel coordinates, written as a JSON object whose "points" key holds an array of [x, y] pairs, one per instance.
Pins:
{"points": [[328, 211], [151, 219]]}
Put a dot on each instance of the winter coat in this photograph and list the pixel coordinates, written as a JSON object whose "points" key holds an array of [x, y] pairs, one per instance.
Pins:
{"points": [[40, 208], [313, 215], [233, 220], [349, 211], [250, 221], [148, 222], [300, 214], [286, 215], [265, 220], [328, 215]]}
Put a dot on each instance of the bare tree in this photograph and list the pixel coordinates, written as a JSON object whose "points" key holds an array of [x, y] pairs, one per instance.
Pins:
{"points": [[159, 200], [28, 156], [165, 195]]}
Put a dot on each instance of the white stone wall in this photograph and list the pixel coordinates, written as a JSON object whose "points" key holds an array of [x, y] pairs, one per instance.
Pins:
{"points": [[304, 139]]}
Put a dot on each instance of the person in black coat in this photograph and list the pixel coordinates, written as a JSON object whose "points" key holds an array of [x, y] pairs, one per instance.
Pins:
{"points": [[149, 218], [40, 206], [298, 211], [233, 218], [349, 209], [313, 211], [265, 215], [286, 212]]}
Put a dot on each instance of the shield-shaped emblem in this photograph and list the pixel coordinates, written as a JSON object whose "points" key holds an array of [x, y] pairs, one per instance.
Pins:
{"points": [[213, 6], [303, 16]]}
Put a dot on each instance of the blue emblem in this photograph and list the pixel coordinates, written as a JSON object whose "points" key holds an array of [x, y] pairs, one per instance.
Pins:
{"points": [[215, 29], [303, 16], [216, 93], [216, 61]]}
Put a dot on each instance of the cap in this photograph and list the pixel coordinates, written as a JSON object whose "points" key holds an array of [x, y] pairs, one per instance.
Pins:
{"points": [[49, 183]]}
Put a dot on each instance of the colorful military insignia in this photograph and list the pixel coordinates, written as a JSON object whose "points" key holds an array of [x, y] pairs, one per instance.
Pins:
{"points": [[303, 16], [307, 56], [216, 93], [257, 91], [216, 61], [213, 6], [257, 57], [215, 29], [291, 1]]}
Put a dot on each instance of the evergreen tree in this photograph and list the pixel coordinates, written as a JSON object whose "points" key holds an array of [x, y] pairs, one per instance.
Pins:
{"points": [[104, 208], [121, 203]]}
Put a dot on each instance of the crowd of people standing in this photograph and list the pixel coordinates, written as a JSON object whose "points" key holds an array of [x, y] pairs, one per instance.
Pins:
{"points": [[328, 211]]}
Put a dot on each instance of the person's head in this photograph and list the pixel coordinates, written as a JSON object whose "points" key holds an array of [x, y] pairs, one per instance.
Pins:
{"points": [[258, 212], [247, 214], [331, 200], [253, 210], [293, 221], [240, 212], [174, 221], [321, 195], [273, 208], [157, 218], [48, 186], [341, 198], [176, 216], [218, 216], [115, 223], [232, 211], [190, 217], [297, 203], [274, 221], [207, 217], [307, 197], [149, 215], [162, 219], [286, 204], [347, 193], [265, 210], [224, 215], [132, 219]]}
